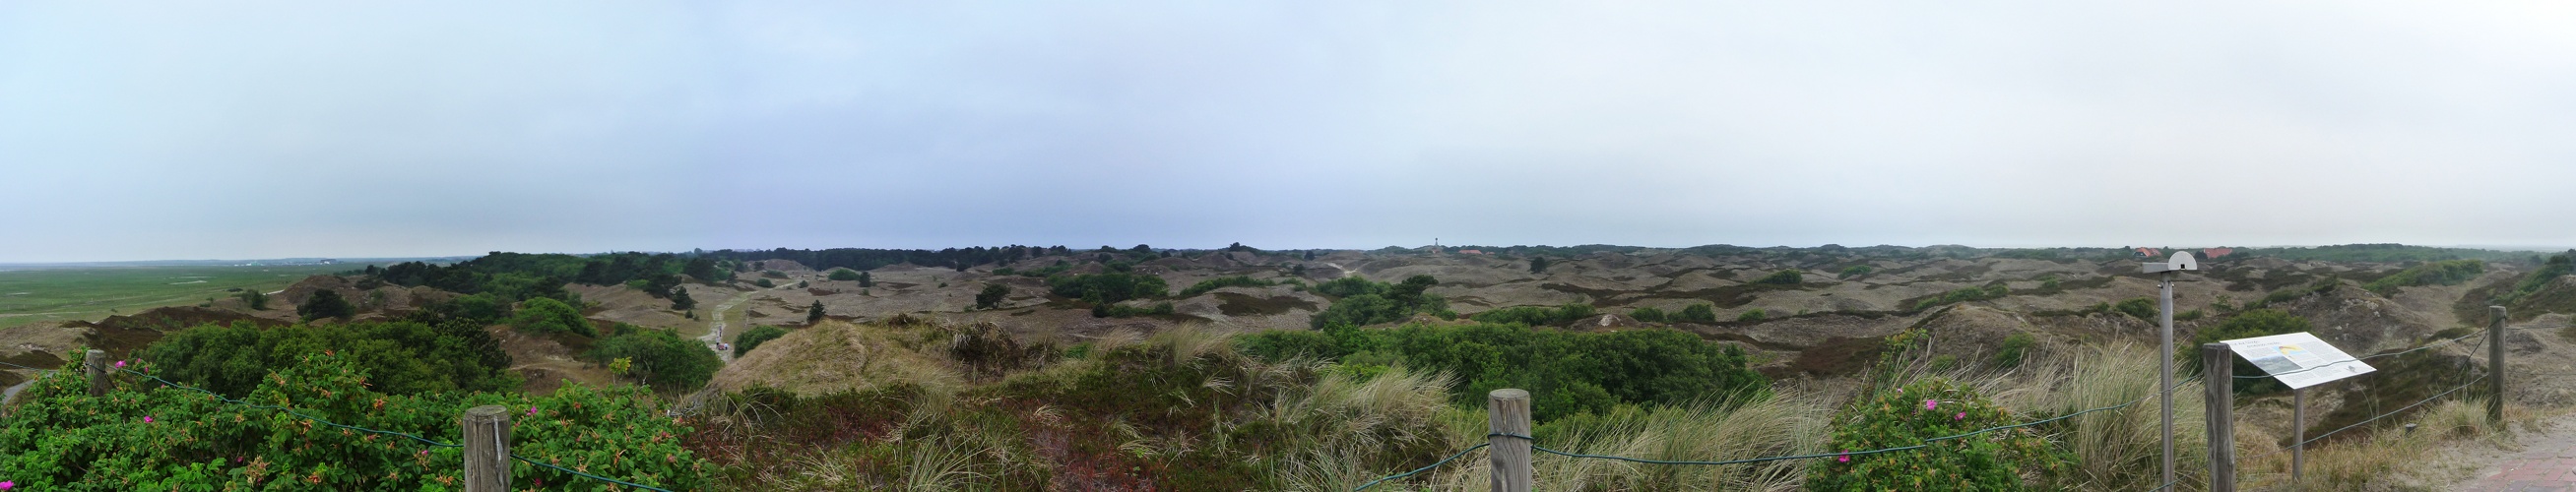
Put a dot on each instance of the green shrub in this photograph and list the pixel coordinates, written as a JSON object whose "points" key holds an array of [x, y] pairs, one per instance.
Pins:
{"points": [[325, 303], [1365, 303], [142, 436], [848, 275], [1124, 311], [662, 359], [1783, 277], [763, 283], [2015, 347], [1954, 296], [544, 315], [1696, 313], [1204, 286], [992, 296], [1926, 409], [2436, 273], [1107, 288], [1535, 315], [2144, 308], [1855, 271], [758, 335], [252, 297], [1648, 314], [401, 357], [1752, 316]]}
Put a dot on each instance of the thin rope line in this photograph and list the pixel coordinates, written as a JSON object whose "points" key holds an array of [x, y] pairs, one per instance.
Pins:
{"points": [[1443, 461], [1926, 442], [590, 476], [2374, 418]]}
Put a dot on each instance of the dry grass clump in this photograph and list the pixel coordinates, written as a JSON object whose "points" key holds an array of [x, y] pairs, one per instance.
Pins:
{"points": [[2387, 460]]}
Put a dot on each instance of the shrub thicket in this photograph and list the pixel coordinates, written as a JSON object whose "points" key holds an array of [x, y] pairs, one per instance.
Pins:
{"points": [[662, 359], [1696, 313], [843, 274], [1566, 372], [2436, 273], [1536, 315], [543, 315], [1990, 291], [992, 295], [1107, 288], [758, 335], [1363, 302], [1204, 286], [1783, 277], [400, 357], [143, 436], [1648, 314], [1751, 316], [325, 303]]}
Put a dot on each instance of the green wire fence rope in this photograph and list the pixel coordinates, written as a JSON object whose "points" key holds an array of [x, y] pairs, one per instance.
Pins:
{"points": [[593, 477], [1443, 461], [2375, 418], [1926, 443]]}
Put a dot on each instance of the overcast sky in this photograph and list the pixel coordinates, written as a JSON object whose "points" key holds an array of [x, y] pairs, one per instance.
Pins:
{"points": [[162, 130]]}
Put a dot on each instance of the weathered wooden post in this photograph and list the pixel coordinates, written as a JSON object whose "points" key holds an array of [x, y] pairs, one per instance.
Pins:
{"points": [[2495, 367], [2218, 376], [96, 363], [487, 449], [1507, 414]]}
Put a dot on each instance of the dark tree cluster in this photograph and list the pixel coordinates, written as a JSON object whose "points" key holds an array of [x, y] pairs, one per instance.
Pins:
{"points": [[863, 259]]}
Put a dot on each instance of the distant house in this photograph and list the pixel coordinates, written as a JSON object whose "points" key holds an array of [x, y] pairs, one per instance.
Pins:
{"points": [[1470, 252], [2216, 252], [2149, 253]]}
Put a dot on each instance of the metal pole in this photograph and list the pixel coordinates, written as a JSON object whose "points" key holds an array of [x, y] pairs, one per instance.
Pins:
{"points": [[1507, 413], [2298, 432], [2495, 367], [2164, 298], [2218, 376], [487, 448]]}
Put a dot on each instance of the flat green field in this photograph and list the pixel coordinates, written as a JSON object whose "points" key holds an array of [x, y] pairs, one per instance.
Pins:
{"points": [[90, 293]]}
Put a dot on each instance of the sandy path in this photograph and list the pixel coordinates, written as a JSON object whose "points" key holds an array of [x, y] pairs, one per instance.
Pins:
{"points": [[716, 322]]}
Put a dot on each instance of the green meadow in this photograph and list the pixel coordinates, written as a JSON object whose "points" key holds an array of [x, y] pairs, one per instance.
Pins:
{"points": [[47, 293]]}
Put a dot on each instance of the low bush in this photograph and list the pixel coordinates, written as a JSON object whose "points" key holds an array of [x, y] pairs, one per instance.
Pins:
{"points": [[1990, 291], [1783, 277], [661, 358], [2436, 273], [1648, 314], [1536, 315], [1696, 313], [1752, 316], [545, 315], [752, 339], [1107, 288], [1566, 372], [1204, 286], [402, 357], [1925, 409], [847, 275]]}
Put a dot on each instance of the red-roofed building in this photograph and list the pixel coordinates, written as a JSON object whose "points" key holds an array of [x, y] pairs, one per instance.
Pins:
{"points": [[2150, 253], [2216, 252]]}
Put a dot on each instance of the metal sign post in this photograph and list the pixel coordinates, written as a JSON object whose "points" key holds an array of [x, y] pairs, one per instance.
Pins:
{"points": [[2164, 295]]}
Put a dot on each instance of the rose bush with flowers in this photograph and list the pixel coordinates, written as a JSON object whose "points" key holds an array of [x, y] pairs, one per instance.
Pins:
{"points": [[145, 436], [2009, 459]]}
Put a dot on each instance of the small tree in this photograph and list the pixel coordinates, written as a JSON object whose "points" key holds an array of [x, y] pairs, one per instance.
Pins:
{"points": [[865, 281], [758, 335], [325, 303], [1538, 264], [844, 275], [1783, 277], [1696, 313], [814, 314], [680, 300], [992, 296], [256, 300]]}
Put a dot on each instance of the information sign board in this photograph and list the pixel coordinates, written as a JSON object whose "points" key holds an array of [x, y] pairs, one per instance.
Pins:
{"points": [[2298, 359]]}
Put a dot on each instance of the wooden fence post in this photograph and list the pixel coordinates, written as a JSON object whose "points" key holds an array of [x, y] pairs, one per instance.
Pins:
{"points": [[1507, 413], [2218, 376], [96, 363], [487, 449], [2495, 368]]}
